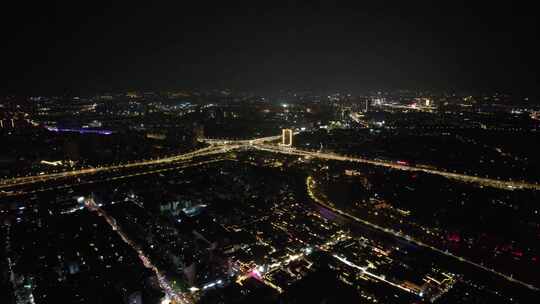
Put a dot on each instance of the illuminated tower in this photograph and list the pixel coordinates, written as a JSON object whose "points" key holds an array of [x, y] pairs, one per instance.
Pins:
{"points": [[286, 137]]}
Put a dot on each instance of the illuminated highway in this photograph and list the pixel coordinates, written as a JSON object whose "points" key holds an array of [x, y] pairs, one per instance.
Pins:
{"points": [[241, 142], [177, 166], [487, 182], [310, 183], [220, 146], [211, 150]]}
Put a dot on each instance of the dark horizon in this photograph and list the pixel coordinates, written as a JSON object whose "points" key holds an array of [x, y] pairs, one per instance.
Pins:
{"points": [[52, 49]]}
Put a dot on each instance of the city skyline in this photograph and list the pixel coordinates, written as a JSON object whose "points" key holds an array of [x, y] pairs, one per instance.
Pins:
{"points": [[282, 152]]}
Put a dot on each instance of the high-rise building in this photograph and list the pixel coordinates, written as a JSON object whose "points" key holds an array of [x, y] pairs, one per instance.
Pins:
{"points": [[286, 137]]}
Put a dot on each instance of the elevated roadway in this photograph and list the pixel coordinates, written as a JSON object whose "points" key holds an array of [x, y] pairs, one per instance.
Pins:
{"points": [[218, 146], [487, 182]]}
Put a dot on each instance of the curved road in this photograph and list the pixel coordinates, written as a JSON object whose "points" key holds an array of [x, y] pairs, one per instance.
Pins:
{"points": [[218, 146], [488, 182], [310, 185]]}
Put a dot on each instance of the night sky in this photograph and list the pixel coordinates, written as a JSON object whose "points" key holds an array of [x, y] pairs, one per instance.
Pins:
{"points": [[87, 47]]}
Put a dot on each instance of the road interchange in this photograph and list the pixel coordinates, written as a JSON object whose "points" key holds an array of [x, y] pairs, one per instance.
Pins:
{"points": [[218, 147]]}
